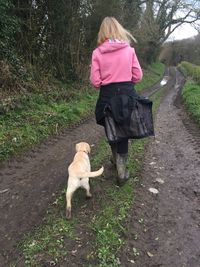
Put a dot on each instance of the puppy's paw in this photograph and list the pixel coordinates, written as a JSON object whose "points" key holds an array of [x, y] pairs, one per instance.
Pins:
{"points": [[68, 214]]}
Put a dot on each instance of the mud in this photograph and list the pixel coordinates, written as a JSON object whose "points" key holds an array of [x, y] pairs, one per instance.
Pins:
{"points": [[163, 229]]}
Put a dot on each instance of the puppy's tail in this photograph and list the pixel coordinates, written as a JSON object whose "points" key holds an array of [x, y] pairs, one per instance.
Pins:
{"points": [[92, 174]]}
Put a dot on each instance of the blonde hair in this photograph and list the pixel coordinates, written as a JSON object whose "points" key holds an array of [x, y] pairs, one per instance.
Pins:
{"points": [[111, 28]]}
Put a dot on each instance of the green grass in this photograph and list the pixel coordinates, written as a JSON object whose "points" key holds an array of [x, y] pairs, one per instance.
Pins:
{"points": [[191, 97], [151, 75], [191, 90], [108, 225], [40, 116], [48, 242], [191, 70]]}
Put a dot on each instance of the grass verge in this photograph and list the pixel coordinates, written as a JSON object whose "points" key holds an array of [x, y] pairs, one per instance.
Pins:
{"points": [[191, 70], [191, 90], [27, 120], [191, 98], [40, 116], [108, 224], [48, 242], [151, 75]]}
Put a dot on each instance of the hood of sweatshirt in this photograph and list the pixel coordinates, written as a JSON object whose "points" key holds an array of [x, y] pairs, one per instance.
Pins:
{"points": [[112, 45]]}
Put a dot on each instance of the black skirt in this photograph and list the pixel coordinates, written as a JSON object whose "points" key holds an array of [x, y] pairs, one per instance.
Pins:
{"points": [[109, 91]]}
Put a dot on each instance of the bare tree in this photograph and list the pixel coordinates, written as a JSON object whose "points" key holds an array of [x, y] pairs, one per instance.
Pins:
{"points": [[160, 19], [172, 14], [188, 50]]}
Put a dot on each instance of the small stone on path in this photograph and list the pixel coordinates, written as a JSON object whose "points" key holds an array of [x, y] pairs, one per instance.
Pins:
{"points": [[150, 254], [153, 190], [159, 180]]}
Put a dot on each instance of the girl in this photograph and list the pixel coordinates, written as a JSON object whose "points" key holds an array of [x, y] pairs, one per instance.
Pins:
{"points": [[114, 70]]}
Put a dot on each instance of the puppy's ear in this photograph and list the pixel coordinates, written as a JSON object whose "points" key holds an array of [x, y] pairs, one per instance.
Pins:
{"points": [[77, 147], [88, 148]]}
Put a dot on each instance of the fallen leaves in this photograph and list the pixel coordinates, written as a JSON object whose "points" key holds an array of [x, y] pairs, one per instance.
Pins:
{"points": [[4, 191], [150, 254], [159, 180]]}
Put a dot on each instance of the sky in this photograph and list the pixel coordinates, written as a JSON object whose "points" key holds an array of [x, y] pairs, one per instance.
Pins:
{"points": [[183, 32]]}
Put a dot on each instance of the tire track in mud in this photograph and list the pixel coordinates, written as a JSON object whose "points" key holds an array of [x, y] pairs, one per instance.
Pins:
{"points": [[170, 233], [189, 124]]}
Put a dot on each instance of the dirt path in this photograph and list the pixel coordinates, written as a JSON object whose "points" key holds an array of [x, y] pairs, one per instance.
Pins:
{"points": [[164, 229], [28, 185]]}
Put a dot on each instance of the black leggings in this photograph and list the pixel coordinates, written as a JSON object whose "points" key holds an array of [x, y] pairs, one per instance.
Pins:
{"points": [[122, 147]]}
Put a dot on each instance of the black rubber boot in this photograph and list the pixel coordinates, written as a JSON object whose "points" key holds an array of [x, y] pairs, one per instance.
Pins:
{"points": [[114, 153], [121, 162]]}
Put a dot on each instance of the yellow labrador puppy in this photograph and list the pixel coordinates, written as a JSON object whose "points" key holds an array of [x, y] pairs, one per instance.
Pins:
{"points": [[79, 173]]}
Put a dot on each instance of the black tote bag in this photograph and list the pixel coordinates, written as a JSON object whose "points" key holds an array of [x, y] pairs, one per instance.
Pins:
{"points": [[138, 125]]}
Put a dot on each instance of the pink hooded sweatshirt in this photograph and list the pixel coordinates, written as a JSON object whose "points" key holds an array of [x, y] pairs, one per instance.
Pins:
{"points": [[114, 61]]}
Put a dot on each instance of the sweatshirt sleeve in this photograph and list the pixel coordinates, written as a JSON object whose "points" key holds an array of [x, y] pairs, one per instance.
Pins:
{"points": [[136, 69], [95, 76]]}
